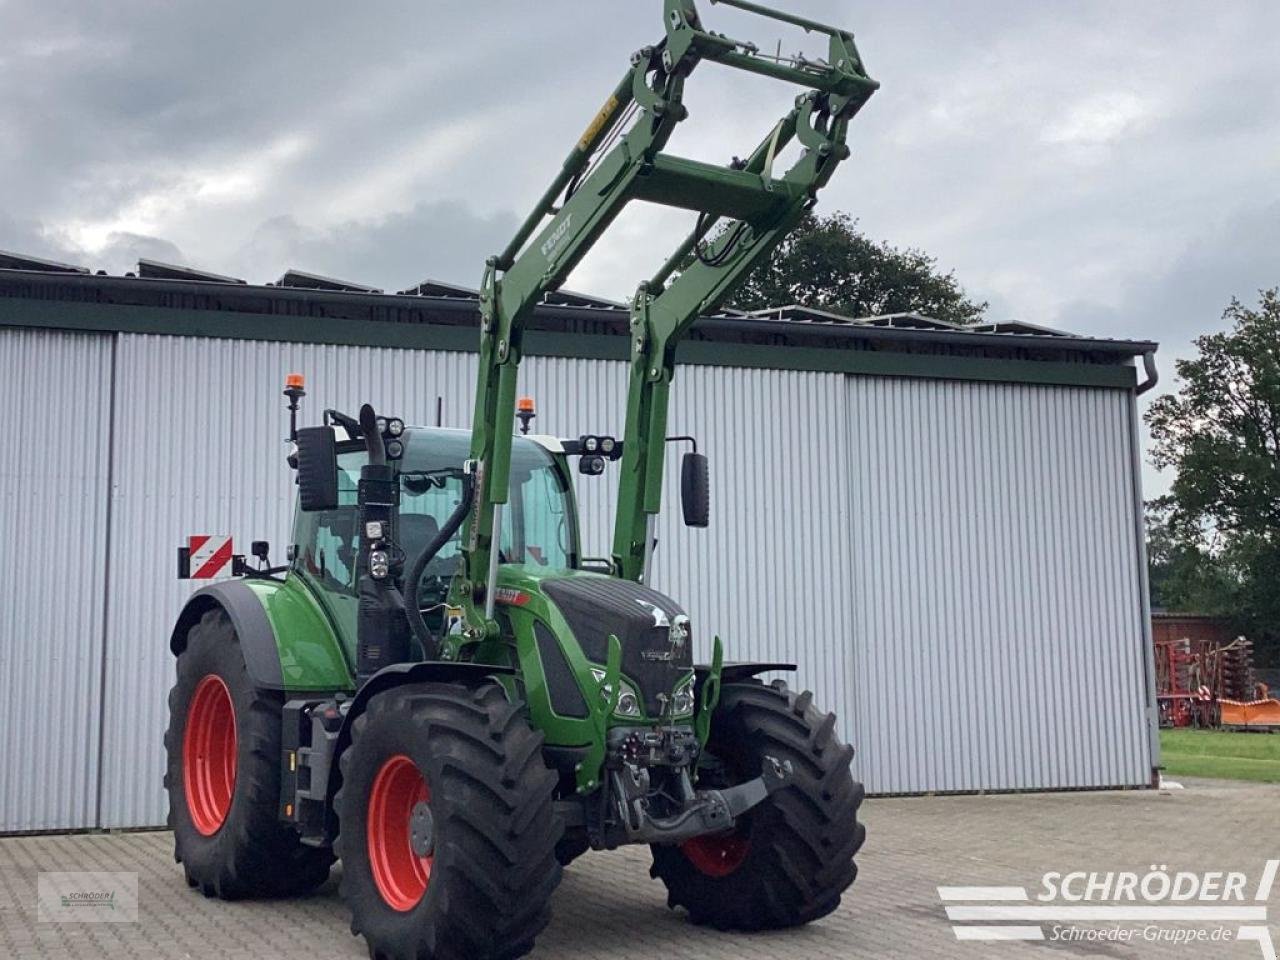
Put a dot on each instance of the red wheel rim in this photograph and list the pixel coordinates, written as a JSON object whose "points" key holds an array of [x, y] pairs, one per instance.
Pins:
{"points": [[399, 873], [209, 754], [716, 855]]}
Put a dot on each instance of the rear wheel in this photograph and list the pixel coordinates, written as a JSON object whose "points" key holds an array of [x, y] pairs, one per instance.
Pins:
{"points": [[223, 776], [447, 829], [787, 860]]}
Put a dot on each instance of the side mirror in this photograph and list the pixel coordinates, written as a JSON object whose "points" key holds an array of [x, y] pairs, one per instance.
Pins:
{"points": [[695, 490], [317, 469]]}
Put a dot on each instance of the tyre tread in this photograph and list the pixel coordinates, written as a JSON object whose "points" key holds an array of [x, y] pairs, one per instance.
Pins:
{"points": [[812, 829], [496, 861]]}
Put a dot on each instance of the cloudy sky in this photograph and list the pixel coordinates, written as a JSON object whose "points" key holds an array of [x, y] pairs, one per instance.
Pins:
{"points": [[1110, 168]]}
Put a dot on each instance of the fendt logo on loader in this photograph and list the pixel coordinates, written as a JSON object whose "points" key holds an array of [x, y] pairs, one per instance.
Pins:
{"points": [[550, 244]]}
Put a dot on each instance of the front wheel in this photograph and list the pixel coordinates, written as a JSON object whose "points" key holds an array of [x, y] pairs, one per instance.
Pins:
{"points": [[787, 860], [447, 828]]}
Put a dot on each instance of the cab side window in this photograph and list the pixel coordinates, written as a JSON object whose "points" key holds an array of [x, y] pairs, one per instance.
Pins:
{"points": [[327, 541]]}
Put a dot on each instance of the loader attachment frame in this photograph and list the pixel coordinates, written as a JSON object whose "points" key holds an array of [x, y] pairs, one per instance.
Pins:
{"points": [[744, 211]]}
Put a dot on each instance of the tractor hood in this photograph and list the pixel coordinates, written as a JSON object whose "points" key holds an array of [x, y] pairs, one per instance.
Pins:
{"points": [[652, 629]]}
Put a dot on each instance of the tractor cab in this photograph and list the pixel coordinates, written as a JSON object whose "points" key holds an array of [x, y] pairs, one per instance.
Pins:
{"points": [[606, 651], [540, 532]]}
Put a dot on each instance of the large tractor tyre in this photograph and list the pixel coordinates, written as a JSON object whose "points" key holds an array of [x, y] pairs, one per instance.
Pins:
{"points": [[446, 825], [223, 776], [787, 860], [571, 847]]}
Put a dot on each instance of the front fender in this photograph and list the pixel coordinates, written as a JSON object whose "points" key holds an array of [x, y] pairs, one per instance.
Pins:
{"points": [[399, 674], [287, 641], [737, 671]]}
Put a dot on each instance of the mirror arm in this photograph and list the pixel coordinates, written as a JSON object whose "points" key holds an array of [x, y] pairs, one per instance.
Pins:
{"points": [[683, 439]]}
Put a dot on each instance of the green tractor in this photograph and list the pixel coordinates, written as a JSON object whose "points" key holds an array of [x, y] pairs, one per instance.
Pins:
{"points": [[439, 689]]}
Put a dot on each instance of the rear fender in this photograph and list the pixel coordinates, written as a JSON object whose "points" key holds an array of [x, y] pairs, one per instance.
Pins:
{"points": [[288, 643]]}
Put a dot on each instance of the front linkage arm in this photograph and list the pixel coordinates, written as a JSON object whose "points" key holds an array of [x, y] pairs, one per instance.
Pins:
{"points": [[616, 161]]}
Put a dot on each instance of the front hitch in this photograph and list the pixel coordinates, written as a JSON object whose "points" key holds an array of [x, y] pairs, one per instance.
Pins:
{"points": [[706, 811]]}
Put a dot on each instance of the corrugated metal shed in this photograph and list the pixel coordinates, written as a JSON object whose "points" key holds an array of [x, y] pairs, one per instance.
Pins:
{"points": [[55, 389], [999, 642], [940, 527]]}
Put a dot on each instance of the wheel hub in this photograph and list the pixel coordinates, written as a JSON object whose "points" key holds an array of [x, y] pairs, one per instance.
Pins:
{"points": [[400, 833], [717, 855], [422, 830]]}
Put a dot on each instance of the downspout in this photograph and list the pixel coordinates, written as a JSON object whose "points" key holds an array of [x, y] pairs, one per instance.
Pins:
{"points": [[1148, 652], [1153, 375]]}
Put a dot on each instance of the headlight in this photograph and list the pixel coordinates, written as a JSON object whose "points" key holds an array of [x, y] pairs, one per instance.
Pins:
{"points": [[682, 701], [379, 564], [628, 699], [628, 704], [395, 426]]}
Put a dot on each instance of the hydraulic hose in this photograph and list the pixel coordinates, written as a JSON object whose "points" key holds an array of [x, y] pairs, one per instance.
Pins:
{"points": [[413, 579]]}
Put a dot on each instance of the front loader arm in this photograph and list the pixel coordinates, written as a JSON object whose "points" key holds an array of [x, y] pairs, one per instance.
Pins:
{"points": [[596, 194], [664, 310], [618, 159]]}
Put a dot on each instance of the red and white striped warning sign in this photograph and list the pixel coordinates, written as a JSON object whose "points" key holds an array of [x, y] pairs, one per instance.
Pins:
{"points": [[208, 556]]}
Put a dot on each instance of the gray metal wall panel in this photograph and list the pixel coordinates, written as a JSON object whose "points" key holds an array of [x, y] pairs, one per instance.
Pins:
{"points": [[211, 412], [998, 640], [200, 426], [855, 523], [53, 483]]}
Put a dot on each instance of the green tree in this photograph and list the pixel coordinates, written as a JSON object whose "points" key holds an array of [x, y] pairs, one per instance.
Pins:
{"points": [[1220, 432], [826, 263], [1185, 576]]}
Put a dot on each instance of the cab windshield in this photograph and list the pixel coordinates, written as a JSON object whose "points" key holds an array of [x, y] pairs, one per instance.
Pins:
{"points": [[537, 523]]}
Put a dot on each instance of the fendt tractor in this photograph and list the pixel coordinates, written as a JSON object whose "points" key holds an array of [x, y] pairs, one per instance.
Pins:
{"points": [[439, 689]]}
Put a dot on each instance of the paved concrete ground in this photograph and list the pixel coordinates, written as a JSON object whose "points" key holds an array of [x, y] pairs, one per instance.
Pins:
{"points": [[609, 909]]}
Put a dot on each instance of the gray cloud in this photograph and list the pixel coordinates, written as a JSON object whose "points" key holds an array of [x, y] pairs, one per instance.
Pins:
{"points": [[1062, 158], [440, 240], [1236, 255]]}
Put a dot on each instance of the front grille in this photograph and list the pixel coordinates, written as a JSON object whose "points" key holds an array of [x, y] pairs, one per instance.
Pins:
{"points": [[595, 607]]}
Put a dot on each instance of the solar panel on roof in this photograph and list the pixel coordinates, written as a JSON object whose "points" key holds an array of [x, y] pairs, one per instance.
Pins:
{"points": [[911, 321], [313, 281], [19, 261], [155, 270], [438, 288], [567, 298], [1019, 326], [795, 313]]}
